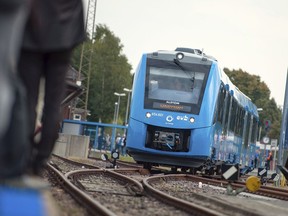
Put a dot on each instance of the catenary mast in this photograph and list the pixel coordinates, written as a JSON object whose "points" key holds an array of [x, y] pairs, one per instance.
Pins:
{"points": [[86, 57]]}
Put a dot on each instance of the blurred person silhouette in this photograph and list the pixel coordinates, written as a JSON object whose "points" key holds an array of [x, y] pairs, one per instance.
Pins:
{"points": [[122, 145], [268, 160], [256, 159], [14, 150], [118, 142], [53, 29]]}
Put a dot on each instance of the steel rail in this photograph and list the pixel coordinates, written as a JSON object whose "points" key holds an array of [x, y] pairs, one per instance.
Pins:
{"points": [[93, 206], [189, 207], [263, 190], [138, 186], [75, 162]]}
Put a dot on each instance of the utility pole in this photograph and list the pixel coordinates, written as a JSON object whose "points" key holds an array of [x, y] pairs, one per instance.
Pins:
{"points": [[86, 57], [282, 144], [127, 107], [118, 95]]}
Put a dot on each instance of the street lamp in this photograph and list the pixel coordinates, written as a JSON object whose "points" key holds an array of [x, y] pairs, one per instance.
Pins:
{"points": [[260, 129], [259, 140], [115, 110], [119, 95], [259, 109], [128, 101]]}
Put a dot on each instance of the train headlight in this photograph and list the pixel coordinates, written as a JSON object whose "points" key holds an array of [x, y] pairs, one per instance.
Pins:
{"points": [[192, 120], [148, 115], [179, 56]]}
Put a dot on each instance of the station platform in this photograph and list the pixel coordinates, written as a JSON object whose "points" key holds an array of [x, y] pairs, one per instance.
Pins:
{"points": [[26, 196]]}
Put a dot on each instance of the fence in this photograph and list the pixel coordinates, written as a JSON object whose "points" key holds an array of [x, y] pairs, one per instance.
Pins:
{"points": [[102, 136]]}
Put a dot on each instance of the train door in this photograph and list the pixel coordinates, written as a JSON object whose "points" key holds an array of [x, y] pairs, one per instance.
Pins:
{"points": [[248, 137], [225, 124], [218, 122], [243, 131]]}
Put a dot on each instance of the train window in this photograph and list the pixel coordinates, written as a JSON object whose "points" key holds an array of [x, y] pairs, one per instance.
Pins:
{"points": [[226, 112], [240, 121], [172, 88], [237, 120], [254, 130], [247, 130], [220, 103], [169, 84], [233, 115]]}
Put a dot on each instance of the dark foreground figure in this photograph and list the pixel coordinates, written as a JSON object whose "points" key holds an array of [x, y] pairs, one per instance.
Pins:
{"points": [[53, 29]]}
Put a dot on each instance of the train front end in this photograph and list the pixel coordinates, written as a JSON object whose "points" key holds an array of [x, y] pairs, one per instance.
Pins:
{"points": [[172, 109]]}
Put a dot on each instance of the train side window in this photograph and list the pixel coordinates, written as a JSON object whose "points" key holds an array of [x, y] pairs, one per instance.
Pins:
{"points": [[230, 113], [254, 130], [236, 130], [226, 110], [237, 120], [233, 115], [240, 120], [220, 103], [247, 132]]}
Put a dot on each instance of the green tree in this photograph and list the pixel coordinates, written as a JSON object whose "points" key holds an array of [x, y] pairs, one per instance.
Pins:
{"points": [[258, 91], [110, 72]]}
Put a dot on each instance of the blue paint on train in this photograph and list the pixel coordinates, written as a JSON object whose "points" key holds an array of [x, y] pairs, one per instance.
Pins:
{"points": [[185, 112]]}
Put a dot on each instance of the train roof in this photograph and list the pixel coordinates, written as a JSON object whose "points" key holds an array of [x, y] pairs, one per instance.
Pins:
{"points": [[239, 96], [196, 53]]}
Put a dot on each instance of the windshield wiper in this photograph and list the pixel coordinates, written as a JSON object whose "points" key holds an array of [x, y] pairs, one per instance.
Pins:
{"points": [[178, 63], [192, 79]]}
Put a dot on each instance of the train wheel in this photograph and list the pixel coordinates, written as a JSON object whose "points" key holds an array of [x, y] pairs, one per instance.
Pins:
{"points": [[184, 169], [218, 170], [174, 169], [147, 166], [211, 171], [193, 171]]}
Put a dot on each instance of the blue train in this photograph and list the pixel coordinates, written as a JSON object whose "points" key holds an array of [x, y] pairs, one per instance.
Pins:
{"points": [[186, 113]]}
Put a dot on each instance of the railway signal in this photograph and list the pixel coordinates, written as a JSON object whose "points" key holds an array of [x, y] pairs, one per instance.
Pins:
{"points": [[114, 156], [275, 177], [262, 172], [267, 125], [230, 172]]}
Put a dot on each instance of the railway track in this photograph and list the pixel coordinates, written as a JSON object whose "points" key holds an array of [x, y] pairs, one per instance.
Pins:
{"points": [[209, 193], [90, 204], [113, 191], [191, 200], [120, 191], [268, 191]]}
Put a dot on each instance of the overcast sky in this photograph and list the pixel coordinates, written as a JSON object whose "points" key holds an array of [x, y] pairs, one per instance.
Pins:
{"points": [[247, 34]]}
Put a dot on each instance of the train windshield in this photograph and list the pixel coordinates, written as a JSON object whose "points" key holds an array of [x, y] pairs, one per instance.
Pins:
{"points": [[174, 87]]}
